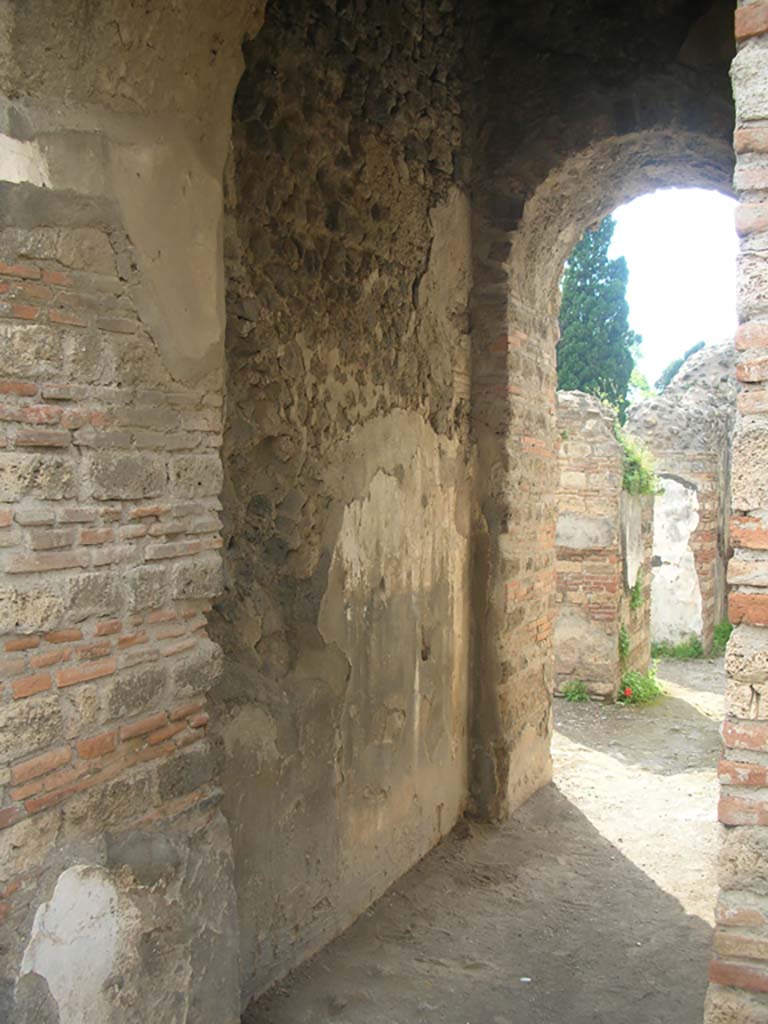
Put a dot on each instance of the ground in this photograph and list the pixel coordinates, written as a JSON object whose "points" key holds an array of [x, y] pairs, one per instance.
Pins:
{"points": [[593, 904]]}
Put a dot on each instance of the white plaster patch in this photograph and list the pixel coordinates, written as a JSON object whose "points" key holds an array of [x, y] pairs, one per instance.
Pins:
{"points": [[22, 162], [75, 942], [676, 611], [632, 536]]}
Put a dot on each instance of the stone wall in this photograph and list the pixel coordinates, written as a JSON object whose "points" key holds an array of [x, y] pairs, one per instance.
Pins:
{"points": [[739, 972], [603, 540], [341, 717], [688, 429]]}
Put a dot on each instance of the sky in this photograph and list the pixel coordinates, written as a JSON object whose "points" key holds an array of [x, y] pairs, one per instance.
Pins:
{"points": [[680, 246]]}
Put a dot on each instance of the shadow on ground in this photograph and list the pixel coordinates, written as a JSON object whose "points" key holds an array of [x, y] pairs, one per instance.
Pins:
{"points": [[539, 921]]}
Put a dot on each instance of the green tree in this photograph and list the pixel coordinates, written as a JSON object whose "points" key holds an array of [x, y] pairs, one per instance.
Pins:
{"points": [[596, 343], [670, 371]]}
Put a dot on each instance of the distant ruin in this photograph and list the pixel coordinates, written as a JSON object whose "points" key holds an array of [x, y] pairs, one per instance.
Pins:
{"points": [[689, 431], [603, 561]]}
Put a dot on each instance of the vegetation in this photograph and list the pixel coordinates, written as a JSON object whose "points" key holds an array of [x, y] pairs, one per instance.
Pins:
{"points": [[639, 687], [576, 691], [596, 342], [684, 651], [671, 371], [692, 647], [721, 637], [639, 476], [636, 595], [623, 644]]}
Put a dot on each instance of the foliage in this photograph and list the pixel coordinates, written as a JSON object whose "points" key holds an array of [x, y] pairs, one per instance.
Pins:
{"points": [[639, 687], [639, 476], [595, 349], [721, 637], [636, 595], [639, 387], [576, 691], [684, 651], [671, 370], [623, 644]]}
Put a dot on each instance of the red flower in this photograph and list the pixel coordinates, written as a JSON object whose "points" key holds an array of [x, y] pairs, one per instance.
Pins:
{"points": [[627, 691]]}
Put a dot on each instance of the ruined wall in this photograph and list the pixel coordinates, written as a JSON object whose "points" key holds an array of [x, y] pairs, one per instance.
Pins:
{"points": [[112, 844], [603, 547], [341, 716], [739, 972], [688, 429]]}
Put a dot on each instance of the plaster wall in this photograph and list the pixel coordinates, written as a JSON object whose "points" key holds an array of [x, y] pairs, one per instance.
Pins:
{"points": [[676, 608]]}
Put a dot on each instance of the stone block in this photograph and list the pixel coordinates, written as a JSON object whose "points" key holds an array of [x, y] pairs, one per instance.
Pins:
{"points": [[746, 657], [30, 610], [749, 74], [137, 689], [184, 773], [194, 580], [86, 249], [124, 475], [743, 860], [749, 486], [194, 476], [148, 586], [29, 725], [585, 532], [94, 593]]}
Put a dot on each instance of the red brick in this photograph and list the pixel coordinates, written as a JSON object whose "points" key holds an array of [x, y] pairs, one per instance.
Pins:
{"points": [[143, 726], [24, 312], [84, 673], [150, 510], [186, 709], [198, 721], [46, 562], [749, 179], [741, 810], [41, 438], [751, 20], [749, 608], [6, 517], [77, 515], [742, 773], [48, 658], [745, 735], [29, 685], [751, 140], [132, 639], [735, 975], [60, 316], [18, 387], [22, 643], [40, 765], [9, 816], [98, 649], [744, 945], [108, 628], [47, 800], [177, 646], [57, 277], [738, 917], [97, 746], [752, 400], [166, 732], [64, 636], [29, 272], [165, 615], [752, 370], [102, 536]]}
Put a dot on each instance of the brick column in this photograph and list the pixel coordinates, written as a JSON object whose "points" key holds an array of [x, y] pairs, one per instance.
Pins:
{"points": [[739, 971]]}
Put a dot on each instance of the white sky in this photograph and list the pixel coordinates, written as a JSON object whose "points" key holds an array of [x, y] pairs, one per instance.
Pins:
{"points": [[680, 246]]}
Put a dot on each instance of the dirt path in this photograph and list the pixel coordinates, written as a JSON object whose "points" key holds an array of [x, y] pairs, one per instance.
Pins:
{"points": [[593, 905]]}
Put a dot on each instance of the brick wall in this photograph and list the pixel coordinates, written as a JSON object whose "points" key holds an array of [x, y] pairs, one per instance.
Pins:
{"points": [[598, 525], [739, 971], [109, 529]]}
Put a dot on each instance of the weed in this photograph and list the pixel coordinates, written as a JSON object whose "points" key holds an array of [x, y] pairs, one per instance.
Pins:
{"points": [[623, 644], [639, 687], [684, 651], [576, 691], [720, 638], [638, 472], [636, 595]]}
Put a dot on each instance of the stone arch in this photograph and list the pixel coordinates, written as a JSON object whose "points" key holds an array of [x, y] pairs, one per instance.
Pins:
{"points": [[603, 149]]}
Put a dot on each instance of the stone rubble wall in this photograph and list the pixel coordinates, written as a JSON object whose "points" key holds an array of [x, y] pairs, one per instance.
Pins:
{"points": [[602, 543], [689, 429], [739, 971]]}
